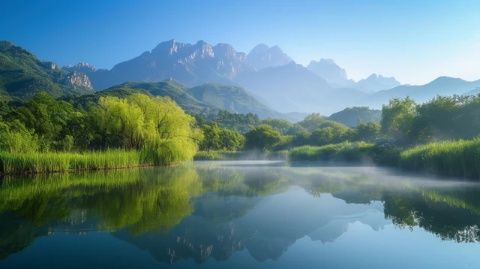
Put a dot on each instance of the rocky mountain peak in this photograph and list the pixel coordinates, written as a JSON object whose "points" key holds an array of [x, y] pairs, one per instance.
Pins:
{"points": [[331, 72], [77, 79], [263, 56]]}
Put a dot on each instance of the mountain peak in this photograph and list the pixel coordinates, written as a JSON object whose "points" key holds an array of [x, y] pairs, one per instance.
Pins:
{"points": [[263, 56], [376, 82], [331, 72], [170, 47]]}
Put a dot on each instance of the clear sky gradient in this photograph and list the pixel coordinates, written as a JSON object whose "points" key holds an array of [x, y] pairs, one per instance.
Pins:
{"points": [[415, 41]]}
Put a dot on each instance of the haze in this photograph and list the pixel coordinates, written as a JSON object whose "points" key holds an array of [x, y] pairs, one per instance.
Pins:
{"points": [[413, 41]]}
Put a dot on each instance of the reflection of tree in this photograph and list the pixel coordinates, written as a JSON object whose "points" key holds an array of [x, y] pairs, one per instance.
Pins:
{"points": [[438, 216], [199, 212], [139, 200]]}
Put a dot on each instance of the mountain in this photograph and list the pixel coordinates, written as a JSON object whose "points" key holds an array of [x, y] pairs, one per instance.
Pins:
{"points": [[375, 83], [286, 88], [331, 72], [474, 92], [190, 64], [231, 98], [169, 88], [262, 56], [206, 99], [294, 88], [354, 115], [444, 86], [22, 75]]}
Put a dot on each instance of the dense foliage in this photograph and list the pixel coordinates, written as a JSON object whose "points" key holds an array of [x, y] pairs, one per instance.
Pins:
{"points": [[155, 127]]}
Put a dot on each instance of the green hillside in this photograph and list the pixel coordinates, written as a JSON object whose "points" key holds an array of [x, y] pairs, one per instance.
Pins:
{"points": [[231, 98], [352, 116], [169, 88], [22, 75]]}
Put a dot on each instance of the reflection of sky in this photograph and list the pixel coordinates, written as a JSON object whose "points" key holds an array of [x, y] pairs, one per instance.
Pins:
{"points": [[287, 228], [314, 232]]}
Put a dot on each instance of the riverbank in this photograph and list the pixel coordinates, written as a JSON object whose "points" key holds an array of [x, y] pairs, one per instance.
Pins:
{"points": [[456, 158], [459, 158], [53, 162]]}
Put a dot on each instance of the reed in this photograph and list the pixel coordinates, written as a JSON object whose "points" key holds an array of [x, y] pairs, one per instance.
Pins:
{"points": [[50, 162], [460, 158], [346, 151]]}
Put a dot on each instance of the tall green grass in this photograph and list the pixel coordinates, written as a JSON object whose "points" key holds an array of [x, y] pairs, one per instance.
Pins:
{"points": [[346, 151], [49, 162], [459, 158]]}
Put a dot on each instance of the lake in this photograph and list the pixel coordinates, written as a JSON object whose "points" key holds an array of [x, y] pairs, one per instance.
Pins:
{"points": [[239, 214]]}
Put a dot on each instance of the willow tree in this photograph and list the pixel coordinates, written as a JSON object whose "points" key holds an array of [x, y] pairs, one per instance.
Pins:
{"points": [[155, 125]]}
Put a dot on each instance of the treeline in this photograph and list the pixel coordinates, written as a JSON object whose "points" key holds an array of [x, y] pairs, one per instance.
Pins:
{"points": [[155, 127], [151, 130], [437, 136], [404, 123]]}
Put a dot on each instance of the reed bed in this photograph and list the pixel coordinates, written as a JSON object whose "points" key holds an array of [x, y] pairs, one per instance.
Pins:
{"points": [[50, 162], [459, 158], [346, 151]]}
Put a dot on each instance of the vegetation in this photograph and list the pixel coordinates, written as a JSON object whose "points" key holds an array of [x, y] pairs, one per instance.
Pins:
{"points": [[217, 138], [49, 162], [263, 137], [354, 116], [346, 151], [45, 126], [49, 135], [22, 75], [459, 158]]}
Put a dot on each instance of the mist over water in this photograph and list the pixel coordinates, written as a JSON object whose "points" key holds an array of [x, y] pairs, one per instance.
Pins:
{"points": [[232, 214]]}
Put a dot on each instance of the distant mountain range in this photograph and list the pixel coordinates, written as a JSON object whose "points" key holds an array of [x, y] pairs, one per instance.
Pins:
{"points": [[217, 77], [267, 72]]}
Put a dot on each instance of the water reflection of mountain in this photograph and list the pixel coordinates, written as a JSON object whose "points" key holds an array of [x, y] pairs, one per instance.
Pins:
{"points": [[210, 211], [266, 231]]}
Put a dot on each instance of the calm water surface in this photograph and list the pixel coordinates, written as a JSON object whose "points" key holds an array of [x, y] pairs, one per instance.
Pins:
{"points": [[239, 215]]}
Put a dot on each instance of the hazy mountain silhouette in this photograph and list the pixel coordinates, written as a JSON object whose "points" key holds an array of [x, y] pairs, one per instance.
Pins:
{"points": [[263, 56]]}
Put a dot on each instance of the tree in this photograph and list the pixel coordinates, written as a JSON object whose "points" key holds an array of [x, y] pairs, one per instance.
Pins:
{"points": [[216, 138], [15, 137], [211, 137], [367, 131], [231, 139], [332, 133], [46, 116], [397, 119], [262, 137], [282, 126], [156, 125]]}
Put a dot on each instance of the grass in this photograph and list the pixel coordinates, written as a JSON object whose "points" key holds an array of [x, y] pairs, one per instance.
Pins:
{"points": [[459, 158], [50, 162], [215, 155], [346, 151]]}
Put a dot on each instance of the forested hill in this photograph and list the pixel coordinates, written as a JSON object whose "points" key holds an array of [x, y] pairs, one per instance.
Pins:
{"points": [[207, 99], [22, 75], [354, 116]]}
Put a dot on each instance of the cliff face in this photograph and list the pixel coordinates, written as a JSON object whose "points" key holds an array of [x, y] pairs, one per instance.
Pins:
{"points": [[77, 79]]}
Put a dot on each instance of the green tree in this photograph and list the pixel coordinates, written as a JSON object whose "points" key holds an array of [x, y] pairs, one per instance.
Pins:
{"points": [[332, 133], [263, 137], [397, 119], [211, 137], [46, 116], [367, 131], [15, 137]]}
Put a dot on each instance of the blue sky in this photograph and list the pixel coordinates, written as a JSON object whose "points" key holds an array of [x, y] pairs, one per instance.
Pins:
{"points": [[415, 41]]}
